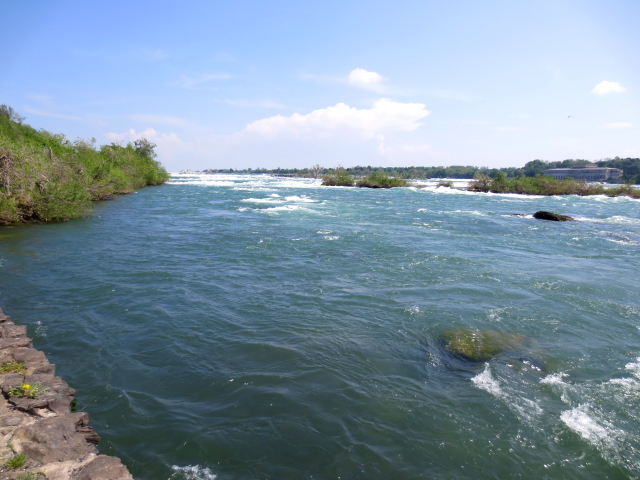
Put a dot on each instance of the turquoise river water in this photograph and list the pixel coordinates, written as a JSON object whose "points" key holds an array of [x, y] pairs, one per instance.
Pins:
{"points": [[253, 327]]}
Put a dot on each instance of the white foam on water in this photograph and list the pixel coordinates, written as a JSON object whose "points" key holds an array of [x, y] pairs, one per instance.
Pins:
{"points": [[486, 382], [601, 434], [191, 472], [614, 220], [262, 200], [283, 208], [327, 232], [554, 379], [41, 330], [257, 182], [513, 395], [331, 237], [634, 368], [472, 212], [629, 384], [276, 199], [302, 199]]}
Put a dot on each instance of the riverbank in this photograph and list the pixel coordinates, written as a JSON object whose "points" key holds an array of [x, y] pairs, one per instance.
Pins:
{"points": [[41, 436], [45, 178]]}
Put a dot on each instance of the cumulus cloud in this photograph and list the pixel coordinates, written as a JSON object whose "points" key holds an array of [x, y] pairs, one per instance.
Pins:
{"points": [[605, 87], [364, 79], [386, 115], [619, 125]]}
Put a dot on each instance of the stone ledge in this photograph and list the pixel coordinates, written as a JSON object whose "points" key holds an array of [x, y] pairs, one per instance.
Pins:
{"points": [[59, 445]]}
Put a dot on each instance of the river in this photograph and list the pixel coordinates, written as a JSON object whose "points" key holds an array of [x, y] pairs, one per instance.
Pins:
{"points": [[251, 327]]}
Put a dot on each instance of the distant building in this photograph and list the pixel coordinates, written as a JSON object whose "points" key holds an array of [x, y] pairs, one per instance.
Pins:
{"points": [[588, 172]]}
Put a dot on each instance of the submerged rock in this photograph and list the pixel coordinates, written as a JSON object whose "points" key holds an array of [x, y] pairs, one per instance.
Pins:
{"points": [[555, 217], [477, 345]]}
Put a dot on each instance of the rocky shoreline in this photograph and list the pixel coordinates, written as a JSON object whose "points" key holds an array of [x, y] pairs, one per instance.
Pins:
{"points": [[40, 437]]}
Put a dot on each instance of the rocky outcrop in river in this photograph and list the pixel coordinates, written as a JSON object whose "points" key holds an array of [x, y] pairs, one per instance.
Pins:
{"points": [[40, 438], [555, 217]]}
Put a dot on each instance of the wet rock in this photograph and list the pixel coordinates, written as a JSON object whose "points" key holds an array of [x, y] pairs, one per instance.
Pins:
{"points": [[90, 435], [102, 467], [55, 399], [15, 342], [555, 217], [34, 360], [12, 331], [478, 345], [54, 439]]}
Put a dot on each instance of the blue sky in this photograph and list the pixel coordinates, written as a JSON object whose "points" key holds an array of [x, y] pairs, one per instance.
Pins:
{"points": [[294, 83]]}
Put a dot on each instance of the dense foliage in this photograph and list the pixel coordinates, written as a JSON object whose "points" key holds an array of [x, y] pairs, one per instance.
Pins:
{"points": [[630, 167], [341, 177], [381, 180], [45, 177], [338, 178], [543, 185]]}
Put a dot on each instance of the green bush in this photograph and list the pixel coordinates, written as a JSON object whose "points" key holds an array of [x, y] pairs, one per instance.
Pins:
{"points": [[381, 180], [45, 177], [542, 185], [338, 178]]}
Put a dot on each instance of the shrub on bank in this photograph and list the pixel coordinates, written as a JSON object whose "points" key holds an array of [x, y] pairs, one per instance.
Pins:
{"points": [[381, 180], [338, 178], [45, 177], [543, 185]]}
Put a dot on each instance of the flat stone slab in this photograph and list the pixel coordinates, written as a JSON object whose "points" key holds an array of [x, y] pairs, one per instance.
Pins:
{"points": [[54, 439]]}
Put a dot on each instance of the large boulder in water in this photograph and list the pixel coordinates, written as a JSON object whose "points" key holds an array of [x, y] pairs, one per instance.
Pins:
{"points": [[478, 345], [555, 217]]}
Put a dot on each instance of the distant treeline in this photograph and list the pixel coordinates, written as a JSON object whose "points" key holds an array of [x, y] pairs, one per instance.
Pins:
{"points": [[45, 177], [630, 167]]}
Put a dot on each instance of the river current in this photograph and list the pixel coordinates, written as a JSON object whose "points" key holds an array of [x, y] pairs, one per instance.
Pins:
{"points": [[252, 327]]}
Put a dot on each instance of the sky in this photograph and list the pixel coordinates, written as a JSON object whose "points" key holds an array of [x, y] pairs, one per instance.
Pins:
{"points": [[290, 84]]}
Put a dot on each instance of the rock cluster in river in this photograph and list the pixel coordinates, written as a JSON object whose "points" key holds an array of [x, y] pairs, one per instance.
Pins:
{"points": [[57, 444]]}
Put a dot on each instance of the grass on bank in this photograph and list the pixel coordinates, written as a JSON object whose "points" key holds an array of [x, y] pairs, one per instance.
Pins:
{"points": [[46, 177], [543, 185], [17, 461]]}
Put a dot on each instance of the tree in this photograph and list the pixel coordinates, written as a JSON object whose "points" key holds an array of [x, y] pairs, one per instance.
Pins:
{"points": [[144, 148], [11, 114], [316, 170]]}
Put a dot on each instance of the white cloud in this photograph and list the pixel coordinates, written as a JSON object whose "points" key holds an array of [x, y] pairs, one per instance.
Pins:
{"points": [[619, 125], [385, 115], [605, 87], [164, 120], [190, 82], [361, 78]]}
